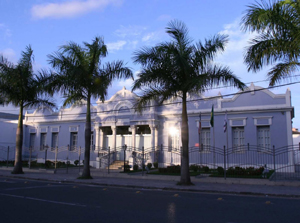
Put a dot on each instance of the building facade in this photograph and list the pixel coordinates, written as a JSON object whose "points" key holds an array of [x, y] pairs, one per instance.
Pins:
{"points": [[255, 117]]}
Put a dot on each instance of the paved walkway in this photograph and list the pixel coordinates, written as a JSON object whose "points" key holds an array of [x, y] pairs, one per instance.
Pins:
{"points": [[147, 181]]}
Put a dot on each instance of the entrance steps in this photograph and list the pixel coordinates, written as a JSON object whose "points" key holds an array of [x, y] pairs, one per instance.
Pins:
{"points": [[117, 165]]}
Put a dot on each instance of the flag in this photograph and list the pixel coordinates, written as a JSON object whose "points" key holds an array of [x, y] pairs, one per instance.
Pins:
{"points": [[199, 128], [212, 116], [225, 122]]}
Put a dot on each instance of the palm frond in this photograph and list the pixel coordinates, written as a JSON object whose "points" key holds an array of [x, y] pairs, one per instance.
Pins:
{"points": [[281, 71], [116, 70]]}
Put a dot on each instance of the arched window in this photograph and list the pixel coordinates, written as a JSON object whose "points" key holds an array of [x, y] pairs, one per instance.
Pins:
{"points": [[123, 109]]}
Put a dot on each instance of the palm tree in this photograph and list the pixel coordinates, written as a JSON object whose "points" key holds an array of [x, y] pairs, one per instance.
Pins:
{"points": [[24, 89], [178, 68], [278, 41], [81, 77]]}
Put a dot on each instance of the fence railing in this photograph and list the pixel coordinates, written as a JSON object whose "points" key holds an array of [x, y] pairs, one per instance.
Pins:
{"points": [[281, 163]]}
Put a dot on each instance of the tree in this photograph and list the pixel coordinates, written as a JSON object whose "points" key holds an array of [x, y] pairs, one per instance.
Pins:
{"points": [[80, 76], [20, 86], [278, 41], [176, 69]]}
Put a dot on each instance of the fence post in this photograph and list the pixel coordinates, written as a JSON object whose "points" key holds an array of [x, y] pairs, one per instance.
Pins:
{"points": [[108, 159], [224, 162], [201, 160], [7, 157], [30, 153], [45, 156], [143, 154], [79, 157], [125, 147], [68, 163], [274, 161], [56, 151]]}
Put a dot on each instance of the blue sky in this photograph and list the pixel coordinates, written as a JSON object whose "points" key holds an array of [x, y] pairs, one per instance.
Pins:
{"points": [[127, 25]]}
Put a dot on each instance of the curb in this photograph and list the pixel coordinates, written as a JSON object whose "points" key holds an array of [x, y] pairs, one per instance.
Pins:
{"points": [[246, 193]]}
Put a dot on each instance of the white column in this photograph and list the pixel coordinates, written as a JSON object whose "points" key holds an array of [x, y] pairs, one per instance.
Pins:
{"points": [[156, 137], [114, 132], [97, 138], [152, 128], [133, 141], [101, 136]]}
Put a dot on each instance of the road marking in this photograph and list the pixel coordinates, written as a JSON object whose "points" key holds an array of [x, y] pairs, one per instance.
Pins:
{"points": [[33, 187], [8, 182], [219, 199], [176, 195], [43, 200]]}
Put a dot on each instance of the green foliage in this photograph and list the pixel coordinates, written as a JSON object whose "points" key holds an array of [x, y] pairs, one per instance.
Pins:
{"points": [[155, 164], [76, 162], [81, 76], [249, 171], [149, 165], [277, 42], [170, 169], [126, 168], [220, 170], [194, 167], [178, 67], [135, 167], [23, 88], [205, 169]]}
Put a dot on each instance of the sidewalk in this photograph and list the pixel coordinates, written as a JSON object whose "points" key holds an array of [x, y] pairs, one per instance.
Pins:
{"points": [[203, 184]]}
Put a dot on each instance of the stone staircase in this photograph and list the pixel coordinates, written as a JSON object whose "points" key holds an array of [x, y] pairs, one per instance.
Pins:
{"points": [[118, 165]]}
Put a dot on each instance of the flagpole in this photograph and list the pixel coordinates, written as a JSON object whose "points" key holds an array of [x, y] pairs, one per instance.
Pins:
{"points": [[200, 141], [214, 147], [226, 151], [213, 126]]}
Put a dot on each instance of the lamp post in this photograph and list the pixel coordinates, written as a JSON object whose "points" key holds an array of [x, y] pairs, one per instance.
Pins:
{"points": [[124, 147]]}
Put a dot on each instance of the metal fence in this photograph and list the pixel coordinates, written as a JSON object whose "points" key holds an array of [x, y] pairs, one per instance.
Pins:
{"points": [[279, 163]]}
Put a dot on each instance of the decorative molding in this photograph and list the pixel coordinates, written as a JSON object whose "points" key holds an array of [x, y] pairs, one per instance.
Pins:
{"points": [[74, 128], [43, 129], [262, 120], [238, 121], [55, 128], [32, 130]]}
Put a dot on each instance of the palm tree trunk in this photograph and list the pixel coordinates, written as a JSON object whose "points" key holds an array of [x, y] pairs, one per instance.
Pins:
{"points": [[185, 173], [86, 174], [19, 142]]}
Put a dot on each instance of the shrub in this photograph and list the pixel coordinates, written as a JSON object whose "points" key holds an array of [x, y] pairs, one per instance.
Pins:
{"points": [[155, 164], [220, 170], [135, 167], [194, 167], [126, 168], [170, 169], [49, 163], [250, 171], [76, 162], [205, 169], [149, 165]]}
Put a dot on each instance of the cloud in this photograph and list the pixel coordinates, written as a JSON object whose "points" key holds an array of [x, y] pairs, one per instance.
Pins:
{"points": [[148, 37], [233, 56], [126, 31], [6, 31], [116, 45], [164, 18], [70, 8], [10, 54]]}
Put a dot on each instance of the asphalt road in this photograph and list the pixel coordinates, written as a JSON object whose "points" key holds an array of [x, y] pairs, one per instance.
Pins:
{"points": [[37, 201]]}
